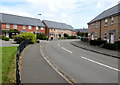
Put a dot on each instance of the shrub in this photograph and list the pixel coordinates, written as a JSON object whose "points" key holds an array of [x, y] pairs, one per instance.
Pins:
{"points": [[42, 37], [84, 39], [109, 46], [71, 37], [25, 36], [97, 42], [5, 38]]}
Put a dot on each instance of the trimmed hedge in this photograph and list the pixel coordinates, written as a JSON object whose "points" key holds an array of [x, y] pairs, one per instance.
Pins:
{"points": [[42, 37], [71, 37], [5, 38], [97, 42], [25, 36], [109, 46]]}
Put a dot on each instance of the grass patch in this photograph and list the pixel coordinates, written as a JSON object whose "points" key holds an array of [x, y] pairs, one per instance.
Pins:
{"points": [[9, 64]]}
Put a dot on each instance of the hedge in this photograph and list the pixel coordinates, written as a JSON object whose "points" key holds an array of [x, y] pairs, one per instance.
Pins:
{"points": [[5, 38], [25, 36], [97, 42], [42, 37]]}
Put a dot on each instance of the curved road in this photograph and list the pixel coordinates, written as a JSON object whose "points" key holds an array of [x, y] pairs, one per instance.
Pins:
{"points": [[81, 65]]}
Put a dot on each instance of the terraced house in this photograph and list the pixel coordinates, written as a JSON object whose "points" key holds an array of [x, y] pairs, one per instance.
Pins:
{"points": [[20, 23], [56, 30], [106, 25]]}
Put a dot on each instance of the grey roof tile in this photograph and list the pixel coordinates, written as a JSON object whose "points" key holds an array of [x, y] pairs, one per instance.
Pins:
{"points": [[14, 19], [107, 13], [57, 25]]}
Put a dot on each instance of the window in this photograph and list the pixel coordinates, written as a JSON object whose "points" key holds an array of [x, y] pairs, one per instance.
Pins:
{"points": [[106, 22], [30, 27], [119, 36], [105, 36], [96, 35], [24, 27], [112, 20], [7, 25], [42, 28], [36, 28], [96, 24], [92, 25], [15, 26]]}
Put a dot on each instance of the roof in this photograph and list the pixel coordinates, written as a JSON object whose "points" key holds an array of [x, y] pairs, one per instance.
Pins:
{"points": [[82, 30], [107, 13], [57, 25], [20, 20]]}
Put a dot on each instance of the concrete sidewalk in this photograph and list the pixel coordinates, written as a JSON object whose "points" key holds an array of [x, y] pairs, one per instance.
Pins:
{"points": [[35, 69], [96, 49]]}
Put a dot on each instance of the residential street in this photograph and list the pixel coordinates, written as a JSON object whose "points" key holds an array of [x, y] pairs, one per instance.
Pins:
{"points": [[81, 65]]}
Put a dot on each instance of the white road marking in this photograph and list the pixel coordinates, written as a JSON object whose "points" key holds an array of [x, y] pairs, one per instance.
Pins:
{"points": [[100, 63], [66, 50], [58, 44]]}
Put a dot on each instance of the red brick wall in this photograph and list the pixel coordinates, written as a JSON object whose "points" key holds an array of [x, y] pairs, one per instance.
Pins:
{"points": [[20, 27]]}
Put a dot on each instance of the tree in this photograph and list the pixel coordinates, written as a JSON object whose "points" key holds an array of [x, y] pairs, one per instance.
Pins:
{"points": [[65, 35]]}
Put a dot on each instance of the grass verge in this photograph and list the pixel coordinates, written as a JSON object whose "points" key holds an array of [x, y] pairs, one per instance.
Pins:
{"points": [[9, 64]]}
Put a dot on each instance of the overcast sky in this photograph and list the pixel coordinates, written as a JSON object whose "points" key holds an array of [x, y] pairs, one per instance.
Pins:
{"points": [[73, 12]]}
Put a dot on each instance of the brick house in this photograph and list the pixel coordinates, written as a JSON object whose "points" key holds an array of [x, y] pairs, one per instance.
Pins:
{"points": [[22, 24], [106, 25], [55, 30]]}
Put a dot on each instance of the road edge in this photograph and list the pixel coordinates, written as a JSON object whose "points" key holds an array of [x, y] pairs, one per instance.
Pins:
{"points": [[95, 51], [62, 74]]}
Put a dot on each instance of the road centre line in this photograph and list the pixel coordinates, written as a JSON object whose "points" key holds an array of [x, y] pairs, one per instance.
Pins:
{"points": [[66, 50], [100, 63]]}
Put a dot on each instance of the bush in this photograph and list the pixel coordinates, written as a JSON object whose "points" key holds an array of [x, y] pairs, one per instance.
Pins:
{"points": [[97, 42], [42, 37], [71, 37], [84, 39], [5, 38], [25, 36], [109, 46]]}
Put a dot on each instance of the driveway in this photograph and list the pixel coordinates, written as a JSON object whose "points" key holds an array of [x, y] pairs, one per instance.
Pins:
{"points": [[8, 43]]}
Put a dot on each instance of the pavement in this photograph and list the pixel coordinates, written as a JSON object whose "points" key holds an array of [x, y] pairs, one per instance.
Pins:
{"points": [[81, 65], [9, 43], [96, 49], [35, 69]]}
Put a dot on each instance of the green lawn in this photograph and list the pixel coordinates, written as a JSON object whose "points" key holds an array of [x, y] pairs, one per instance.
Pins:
{"points": [[8, 64]]}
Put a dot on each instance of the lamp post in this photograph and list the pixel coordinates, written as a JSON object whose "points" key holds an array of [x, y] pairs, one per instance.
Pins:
{"points": [[36, 25]]}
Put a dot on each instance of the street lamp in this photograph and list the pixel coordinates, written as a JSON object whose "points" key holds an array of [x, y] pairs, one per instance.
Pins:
{"points": [[37, 26]]}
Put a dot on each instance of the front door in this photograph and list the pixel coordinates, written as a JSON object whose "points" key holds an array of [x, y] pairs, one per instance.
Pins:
{"points": [[111, 38]]}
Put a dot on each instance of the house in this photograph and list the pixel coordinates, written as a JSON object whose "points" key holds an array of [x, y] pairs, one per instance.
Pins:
{"points": [[20, 23], [106, 25], [84, 30], [56, 30]]}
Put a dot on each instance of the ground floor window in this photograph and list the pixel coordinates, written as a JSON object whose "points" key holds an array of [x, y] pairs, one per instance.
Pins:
{"points": [[105, 36], [119, 36]]}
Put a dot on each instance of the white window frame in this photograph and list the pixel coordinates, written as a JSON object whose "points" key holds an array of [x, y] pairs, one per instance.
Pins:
{"points": [[112, 20], [24, 27], [92, 25], [106, 22], [37, 27], [29, 27], [7, 25], [15, 26], [41, 28]]}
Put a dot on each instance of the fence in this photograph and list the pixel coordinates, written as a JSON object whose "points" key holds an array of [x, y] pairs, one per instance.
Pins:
{"points": [[22, 45]]}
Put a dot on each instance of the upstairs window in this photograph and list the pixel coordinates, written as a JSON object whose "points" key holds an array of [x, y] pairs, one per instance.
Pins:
{"points": [[24, 27], [15, 26], [112, 20], [42, 28], [92, 25], [30, 27], [7, 25], [106, 22], [36, 28]]}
